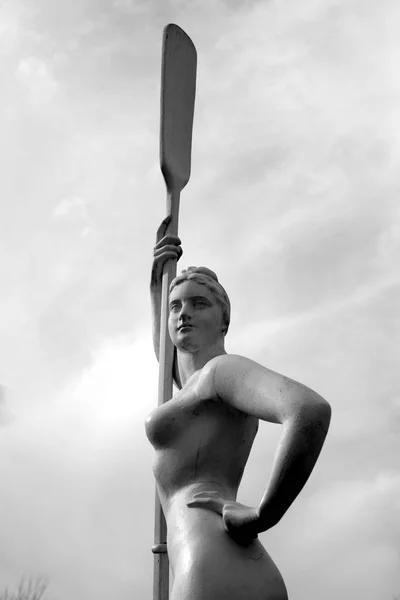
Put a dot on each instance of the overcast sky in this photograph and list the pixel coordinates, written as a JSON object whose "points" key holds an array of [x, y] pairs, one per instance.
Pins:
{"points": [[293, 201]]}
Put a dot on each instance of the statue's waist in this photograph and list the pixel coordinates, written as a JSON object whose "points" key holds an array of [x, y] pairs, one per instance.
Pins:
{"points": [[193, 524], [174, 501], [179, 489]]}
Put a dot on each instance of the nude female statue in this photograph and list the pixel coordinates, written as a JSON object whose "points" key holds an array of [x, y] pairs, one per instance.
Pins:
{"points": [[203, 437]]}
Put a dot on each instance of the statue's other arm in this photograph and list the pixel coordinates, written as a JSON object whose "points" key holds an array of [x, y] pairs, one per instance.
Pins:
{"points": [[167, 246], [305, 417]]}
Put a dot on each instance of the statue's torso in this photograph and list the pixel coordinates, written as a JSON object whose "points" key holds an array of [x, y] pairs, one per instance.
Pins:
{"points": [[202, 444], [197, 437]]}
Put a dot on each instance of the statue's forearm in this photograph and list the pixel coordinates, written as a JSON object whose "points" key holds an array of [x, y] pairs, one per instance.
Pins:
{"points": [[155, 296], [299, 448]]}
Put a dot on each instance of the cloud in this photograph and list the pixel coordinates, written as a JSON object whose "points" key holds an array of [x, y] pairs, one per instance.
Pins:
{"points": [[309, 182], [84, 458], [71, 205], [74, 209], [355, 524], [3, 406], [11, 29], [34, 76]]}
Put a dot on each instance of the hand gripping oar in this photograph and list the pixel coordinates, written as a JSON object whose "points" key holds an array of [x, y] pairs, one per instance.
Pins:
{"points": [[178, 89]]}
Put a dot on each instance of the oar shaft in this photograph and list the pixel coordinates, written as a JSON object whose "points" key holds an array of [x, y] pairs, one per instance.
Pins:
{"points": [[166, 358], [161, 562]]}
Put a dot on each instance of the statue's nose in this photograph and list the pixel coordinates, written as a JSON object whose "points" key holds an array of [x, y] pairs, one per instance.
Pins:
{"points": [[185, 313]]}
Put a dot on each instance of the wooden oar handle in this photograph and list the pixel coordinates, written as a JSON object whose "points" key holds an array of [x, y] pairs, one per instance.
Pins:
{"points": [[173, 200]]}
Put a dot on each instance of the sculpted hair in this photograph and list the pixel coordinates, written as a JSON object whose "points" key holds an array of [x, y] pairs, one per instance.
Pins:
{"points": [[208, 278]]}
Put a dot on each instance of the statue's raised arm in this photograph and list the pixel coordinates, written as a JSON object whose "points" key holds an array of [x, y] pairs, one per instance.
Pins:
{"points": [[167, 247]]}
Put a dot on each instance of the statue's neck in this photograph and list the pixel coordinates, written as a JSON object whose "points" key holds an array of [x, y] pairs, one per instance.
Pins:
{"points": [[190, 362]]}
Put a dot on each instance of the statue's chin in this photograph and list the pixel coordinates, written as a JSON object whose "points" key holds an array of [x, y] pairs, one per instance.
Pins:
{"points": [[193, 342], [186, 346]]}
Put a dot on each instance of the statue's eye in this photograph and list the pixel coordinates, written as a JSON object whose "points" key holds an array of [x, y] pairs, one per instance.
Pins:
{"points": [[201, 303]]}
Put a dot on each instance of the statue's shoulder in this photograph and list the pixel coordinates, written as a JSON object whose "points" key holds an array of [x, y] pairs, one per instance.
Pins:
{"points": [[234, 363], [226, 362], [236, 373], [230, 366], [203, 385]]}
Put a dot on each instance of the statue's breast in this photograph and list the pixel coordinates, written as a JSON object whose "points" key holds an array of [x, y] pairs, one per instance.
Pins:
{"points": [[164, 423], [168, 421]]}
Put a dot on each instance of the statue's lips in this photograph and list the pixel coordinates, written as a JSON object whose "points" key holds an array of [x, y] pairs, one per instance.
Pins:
{"points": [[185, 327]]}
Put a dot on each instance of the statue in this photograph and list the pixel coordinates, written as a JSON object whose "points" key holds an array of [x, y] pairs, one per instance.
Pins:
{"points": [[203, 436]]}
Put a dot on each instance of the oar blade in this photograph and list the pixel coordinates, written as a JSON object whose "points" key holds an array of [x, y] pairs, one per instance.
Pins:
{"points": [[178, 90]]}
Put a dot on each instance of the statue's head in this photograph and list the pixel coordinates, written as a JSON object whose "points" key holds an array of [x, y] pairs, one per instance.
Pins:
{"points": [[197, 297]]}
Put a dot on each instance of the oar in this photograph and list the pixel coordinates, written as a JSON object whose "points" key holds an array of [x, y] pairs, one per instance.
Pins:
{"points": [[178, 89]]}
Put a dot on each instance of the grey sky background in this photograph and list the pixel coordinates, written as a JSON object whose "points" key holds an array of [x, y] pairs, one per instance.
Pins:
{"points": [[293, 201]]}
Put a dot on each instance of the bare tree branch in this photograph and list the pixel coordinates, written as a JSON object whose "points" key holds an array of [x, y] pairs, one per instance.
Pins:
{"points": [[31, 589]]}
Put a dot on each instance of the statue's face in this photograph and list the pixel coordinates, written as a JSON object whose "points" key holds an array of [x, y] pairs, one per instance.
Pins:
{"points": [[195, 317]]}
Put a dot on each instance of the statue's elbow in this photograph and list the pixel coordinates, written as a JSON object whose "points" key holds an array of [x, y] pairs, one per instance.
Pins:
{"points": [[323, 412], [316, 410]]}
